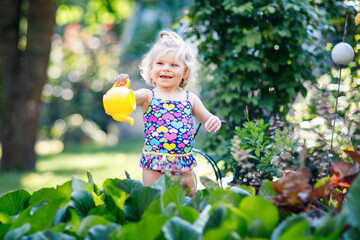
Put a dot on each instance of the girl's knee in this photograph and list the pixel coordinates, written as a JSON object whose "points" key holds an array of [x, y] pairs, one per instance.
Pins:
{"points": [[150, 176]]}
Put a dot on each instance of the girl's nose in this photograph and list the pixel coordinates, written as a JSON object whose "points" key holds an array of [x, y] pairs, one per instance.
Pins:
{"points": [[166, 67]]}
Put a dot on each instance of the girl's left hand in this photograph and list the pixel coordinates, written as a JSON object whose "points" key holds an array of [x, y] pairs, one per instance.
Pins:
{"points": [[213, 124]]}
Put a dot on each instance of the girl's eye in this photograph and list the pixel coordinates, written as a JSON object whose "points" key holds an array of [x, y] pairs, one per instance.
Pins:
{"points": [[159, 63], [174, 65]]}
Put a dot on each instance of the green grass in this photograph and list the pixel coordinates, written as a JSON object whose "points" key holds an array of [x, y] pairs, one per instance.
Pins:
{"points": [[103, 162]]}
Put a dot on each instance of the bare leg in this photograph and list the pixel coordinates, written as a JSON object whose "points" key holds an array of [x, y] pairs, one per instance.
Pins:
{"points": [[189, 179], [150, 176]]}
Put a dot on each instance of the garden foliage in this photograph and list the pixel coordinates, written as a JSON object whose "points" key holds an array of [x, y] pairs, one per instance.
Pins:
{"points": [[256, 53], [126, 209]]}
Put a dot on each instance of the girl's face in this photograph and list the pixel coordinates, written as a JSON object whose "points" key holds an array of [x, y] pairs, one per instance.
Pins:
{"points": [[167, 71]]}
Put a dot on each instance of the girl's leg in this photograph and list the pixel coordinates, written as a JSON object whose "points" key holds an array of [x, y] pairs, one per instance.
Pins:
{"points": [[189, 179], [150, 176]]}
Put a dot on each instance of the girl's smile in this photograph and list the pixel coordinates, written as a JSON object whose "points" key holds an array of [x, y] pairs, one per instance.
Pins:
{"points": [[167, 71]]}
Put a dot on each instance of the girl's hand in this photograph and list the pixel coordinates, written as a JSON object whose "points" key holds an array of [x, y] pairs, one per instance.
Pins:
{"points": [[120, 79], [213, 124]]}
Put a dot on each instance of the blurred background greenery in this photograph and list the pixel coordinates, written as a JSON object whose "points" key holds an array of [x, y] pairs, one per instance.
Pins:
{"points": [[248, 48]]}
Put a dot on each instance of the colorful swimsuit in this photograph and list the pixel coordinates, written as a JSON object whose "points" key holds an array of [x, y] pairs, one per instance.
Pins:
{"points": [[168, 128]]}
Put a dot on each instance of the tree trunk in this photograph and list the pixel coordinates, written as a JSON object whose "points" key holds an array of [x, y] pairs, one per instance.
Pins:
{"points": [[23, 74]]}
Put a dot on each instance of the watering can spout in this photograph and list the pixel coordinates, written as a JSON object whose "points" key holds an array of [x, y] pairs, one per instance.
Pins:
{"points": [[123, 118]]}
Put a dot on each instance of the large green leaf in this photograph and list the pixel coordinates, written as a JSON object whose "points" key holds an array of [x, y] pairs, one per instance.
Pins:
{"points": [[216, 217], [201, 221], [40, 217], [48, 234], [330, 227], [299, 230], [138, 201], [129, 185], [78, 184], [352, 204], [115, 198], [224, 196], [82, 202], [179, 229], [175, 194], [16, 233], [188, 213], [165, 182], [14, 202], [288, 223], [42, 195], [257, 208], [88, 222], [148, 227], [101, 231]]}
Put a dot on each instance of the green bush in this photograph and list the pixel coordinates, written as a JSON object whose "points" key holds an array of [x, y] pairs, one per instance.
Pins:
{"points": [[126, 209]]}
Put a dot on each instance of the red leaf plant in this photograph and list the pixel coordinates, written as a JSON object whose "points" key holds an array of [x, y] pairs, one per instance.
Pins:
{"points": [[295, 194]]}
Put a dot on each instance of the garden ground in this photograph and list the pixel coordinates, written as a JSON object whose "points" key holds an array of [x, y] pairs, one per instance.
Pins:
{"points": [[103, 162]]}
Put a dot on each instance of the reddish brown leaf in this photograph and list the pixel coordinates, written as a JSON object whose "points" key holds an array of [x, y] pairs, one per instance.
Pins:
{"points": [[353, 155]]}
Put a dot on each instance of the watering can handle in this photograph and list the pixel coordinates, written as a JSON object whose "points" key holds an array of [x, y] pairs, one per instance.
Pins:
{"points": [[126, 85]]}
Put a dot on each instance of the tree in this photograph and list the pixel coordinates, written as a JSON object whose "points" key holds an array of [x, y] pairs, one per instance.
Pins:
{"points": [[26, 28], [256, 54]]}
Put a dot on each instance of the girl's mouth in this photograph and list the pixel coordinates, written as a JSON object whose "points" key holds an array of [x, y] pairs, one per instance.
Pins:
{"points": [[165, 77]]}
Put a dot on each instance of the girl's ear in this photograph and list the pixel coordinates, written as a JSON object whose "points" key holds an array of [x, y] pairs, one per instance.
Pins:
{"points": [[186, 73]]}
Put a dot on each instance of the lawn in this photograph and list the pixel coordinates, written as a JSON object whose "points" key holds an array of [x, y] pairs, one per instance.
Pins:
{"points": [[103, 162]]}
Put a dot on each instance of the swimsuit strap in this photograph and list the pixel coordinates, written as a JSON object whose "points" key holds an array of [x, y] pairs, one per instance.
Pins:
{"points": [[153, 93], [187, 95]]}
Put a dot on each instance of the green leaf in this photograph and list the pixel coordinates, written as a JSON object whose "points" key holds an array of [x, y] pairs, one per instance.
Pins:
{"points": [[175, 194], [94, 187], [165, 182], [129, 185], [115, 198], [138, 201], [209, 184], [78, 184], [48, 234], [300, 230], [179, 229], [42, 195], [266, 190], [101, 231], [82, 202], [88, 222], [4, 228], [286, 224], [201, 221], [5, 224], [352, 204], [14, 202], [15, 234], [240, 191], [188, 213], [147, 228], [330, 227], [216, 218], [252, 208], [226, 196]]}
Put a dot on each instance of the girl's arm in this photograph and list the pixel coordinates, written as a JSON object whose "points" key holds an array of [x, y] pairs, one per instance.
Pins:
{"points": [[211, 122]]}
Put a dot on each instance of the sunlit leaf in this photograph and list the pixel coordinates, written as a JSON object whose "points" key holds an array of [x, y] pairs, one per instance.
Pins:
{"points": [[14, 202]]}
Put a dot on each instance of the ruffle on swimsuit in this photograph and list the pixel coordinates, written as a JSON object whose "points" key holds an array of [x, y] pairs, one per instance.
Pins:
{"points": [[168, 129]]}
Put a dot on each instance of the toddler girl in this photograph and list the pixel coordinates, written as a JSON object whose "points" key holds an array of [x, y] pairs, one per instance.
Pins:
{"points": [[168, 109]]}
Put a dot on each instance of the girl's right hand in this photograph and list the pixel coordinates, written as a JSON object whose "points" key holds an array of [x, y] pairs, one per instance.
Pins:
{"points": [[120, 79]]}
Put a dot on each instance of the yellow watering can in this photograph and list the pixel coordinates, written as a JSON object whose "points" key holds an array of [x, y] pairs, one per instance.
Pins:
{"points": [[119, 102]]}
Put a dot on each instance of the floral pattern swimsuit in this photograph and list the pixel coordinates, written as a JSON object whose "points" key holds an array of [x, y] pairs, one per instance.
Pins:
{"points": [[168, 128]]}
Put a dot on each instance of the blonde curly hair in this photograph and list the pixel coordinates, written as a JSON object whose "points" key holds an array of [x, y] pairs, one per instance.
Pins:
{"points": [[171, 41]]}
